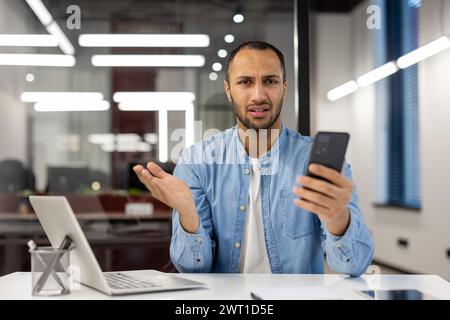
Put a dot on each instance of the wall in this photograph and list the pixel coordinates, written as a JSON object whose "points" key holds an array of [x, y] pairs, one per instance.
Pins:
{"points": [[13, 113], [344, 49]]}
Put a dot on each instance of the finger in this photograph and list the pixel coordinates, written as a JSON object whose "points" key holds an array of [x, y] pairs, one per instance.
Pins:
{"points": [[320, 186], [138, 168], [145, 177], [330, 174], [156, 170], [311, 207], [315, 197]]}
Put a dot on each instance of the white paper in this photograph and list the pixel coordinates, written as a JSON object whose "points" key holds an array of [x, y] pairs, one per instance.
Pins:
{"points": [[293, 293]]}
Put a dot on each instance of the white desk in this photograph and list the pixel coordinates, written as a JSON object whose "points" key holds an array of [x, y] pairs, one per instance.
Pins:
{"points": [[238, 286]]}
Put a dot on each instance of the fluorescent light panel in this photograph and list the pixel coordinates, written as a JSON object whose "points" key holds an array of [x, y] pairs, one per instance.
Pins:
{"points": [[163, 134], [135, 106], [377, 74], [342, 90], [38, 60], [40, 11], [60, 96], [28, 40], [71, 106], [424, 52], [64, 43], [52, 27], [163, 60], [152, 97], [144, 40]]}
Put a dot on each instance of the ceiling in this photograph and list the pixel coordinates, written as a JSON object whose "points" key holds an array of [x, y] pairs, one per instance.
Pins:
{"points": [[188, 10]]}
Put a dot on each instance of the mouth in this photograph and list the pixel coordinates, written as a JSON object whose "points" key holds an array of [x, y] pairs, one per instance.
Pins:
{"points": [[258, 111]]}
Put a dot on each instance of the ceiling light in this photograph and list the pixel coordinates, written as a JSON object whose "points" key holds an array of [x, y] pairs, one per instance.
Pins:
{"points": [[71, 106], [28, 40], [146, 106], [64, 43], [377, 74], [30, 77], [30, 96], [40, 11], [217, 66], [342, 90], [163, 60], [213, 76], [222, 53], [229, 38], [153, 96], [424, 52], [144, 40], [151, 138], [238, 18], [39, 60], [52, 27], [163, 134]]}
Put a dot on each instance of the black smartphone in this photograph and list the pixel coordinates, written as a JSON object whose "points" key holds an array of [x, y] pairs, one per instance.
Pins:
{"points": [[329, 150]]}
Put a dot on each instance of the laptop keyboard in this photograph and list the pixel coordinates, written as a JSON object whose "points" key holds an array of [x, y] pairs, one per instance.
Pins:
{"points": [[119, 280]]}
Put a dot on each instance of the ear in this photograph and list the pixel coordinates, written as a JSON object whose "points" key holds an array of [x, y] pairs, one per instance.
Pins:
{"points": [[285, 88], [226, 87]]}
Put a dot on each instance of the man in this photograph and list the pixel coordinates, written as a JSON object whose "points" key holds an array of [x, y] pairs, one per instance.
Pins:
{"points": [[251, 209]]}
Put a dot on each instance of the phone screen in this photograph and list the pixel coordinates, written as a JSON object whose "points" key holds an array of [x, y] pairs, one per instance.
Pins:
{"points": [[403, 294]]}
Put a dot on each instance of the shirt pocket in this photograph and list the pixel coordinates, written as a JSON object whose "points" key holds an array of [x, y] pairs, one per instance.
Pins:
{"points": [[296, 222]]}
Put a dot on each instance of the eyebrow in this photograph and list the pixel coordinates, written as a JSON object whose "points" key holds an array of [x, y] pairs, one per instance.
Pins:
{"points": [[252, 77]]}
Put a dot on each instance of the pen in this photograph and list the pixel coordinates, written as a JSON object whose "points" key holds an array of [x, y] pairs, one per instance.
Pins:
{"points": [[65, 244]]}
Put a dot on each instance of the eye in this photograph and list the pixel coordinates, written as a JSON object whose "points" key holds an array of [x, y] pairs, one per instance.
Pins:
{"points": [[271, 81], [245, 82]]}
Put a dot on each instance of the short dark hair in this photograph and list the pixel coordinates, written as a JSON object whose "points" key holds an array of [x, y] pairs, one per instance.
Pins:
{"points": [[255, 45]]}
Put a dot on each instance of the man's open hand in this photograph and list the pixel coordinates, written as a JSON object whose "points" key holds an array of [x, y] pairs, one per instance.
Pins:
{"points": [[170, 190]]}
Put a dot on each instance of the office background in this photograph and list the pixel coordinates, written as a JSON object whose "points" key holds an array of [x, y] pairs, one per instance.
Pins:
{"points": [[399, 147]]}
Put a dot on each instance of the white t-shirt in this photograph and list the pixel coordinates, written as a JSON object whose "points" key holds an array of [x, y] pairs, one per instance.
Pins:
{"points": [[253, 247]]}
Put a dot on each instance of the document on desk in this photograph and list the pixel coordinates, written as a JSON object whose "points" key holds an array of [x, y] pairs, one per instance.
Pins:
{"points": [[293, 293]]}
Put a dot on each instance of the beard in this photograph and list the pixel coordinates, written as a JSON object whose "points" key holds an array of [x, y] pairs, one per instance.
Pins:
{"points": [[249, 123]]}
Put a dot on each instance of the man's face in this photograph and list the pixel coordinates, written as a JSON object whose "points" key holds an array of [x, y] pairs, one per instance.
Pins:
{"points": [[256, 88]]}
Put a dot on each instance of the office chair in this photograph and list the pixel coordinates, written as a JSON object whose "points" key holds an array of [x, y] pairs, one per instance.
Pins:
{"points": [[12, 176]]}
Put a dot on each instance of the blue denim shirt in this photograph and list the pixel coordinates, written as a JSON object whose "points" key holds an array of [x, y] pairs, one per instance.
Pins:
{"points": [[218, 169]]}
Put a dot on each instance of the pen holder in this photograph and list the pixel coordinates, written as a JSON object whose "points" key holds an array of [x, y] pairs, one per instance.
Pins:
{"points": [[49, 271]]}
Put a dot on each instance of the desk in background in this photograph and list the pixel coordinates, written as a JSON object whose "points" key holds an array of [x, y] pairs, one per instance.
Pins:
{"points": [[119, 241], [238, 286]]}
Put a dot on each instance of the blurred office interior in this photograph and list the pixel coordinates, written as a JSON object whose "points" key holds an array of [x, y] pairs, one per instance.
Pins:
{"points": [[80, 104]]}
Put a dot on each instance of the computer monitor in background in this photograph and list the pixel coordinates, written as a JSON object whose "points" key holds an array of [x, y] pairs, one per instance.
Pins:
{"points": [[67, 179]]}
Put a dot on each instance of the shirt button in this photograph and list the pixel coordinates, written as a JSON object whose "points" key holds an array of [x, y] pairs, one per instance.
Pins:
{"points": [[247, 171], [199, 239], [242, 207], [237, 245]]}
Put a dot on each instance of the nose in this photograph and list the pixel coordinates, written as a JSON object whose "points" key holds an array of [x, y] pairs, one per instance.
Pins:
{"points": [[259, 94]]}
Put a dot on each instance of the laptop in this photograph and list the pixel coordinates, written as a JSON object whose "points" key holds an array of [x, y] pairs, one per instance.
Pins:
{"points": [[57, 220]]}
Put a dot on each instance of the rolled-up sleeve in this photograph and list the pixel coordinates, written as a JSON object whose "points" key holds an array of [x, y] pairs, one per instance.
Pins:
{"points": [[192, 252], [352, 252]]}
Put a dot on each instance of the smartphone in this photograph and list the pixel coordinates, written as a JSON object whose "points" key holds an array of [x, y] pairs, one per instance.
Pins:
{"points": [[399, 294], [328, 150]]}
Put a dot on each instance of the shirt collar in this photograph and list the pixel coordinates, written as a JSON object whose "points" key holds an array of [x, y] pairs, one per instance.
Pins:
{"points": [[274, 151]]}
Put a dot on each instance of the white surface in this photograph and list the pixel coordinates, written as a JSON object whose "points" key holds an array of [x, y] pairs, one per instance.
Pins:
{"points": [[238, 286], [294, 293]]}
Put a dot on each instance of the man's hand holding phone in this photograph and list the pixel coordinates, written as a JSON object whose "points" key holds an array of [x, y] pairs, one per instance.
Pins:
{"points": [[328, 200], [325, 190], [172, 191]]}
